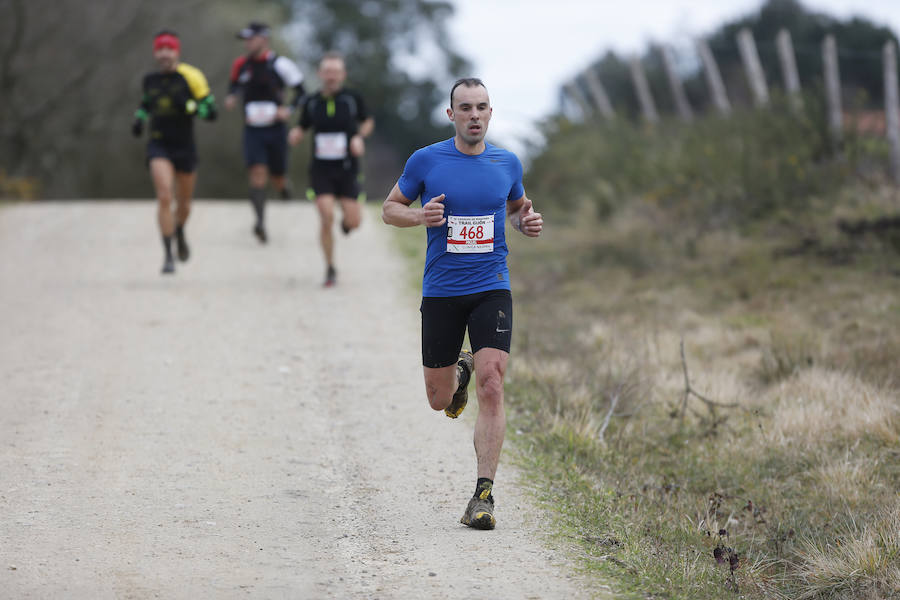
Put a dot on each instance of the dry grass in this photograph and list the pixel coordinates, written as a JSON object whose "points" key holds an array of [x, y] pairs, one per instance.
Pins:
{"points": [[802, 476], [863, 561], [818, 404]]}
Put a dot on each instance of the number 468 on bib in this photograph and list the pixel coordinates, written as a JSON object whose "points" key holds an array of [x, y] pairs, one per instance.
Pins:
{"points": [[470, 234]]}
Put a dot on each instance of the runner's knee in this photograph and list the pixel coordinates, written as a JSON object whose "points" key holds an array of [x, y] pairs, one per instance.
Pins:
{"points": [[437, 400], [440, 384], [352, 217], [489, 386], [326, 213], [258, 176]]}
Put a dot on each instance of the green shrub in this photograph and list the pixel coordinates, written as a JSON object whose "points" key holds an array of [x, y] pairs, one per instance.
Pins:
{"points": [[714, 172]]}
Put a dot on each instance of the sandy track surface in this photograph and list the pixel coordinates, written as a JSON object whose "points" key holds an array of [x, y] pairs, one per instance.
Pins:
{"points": [[234, 431]]}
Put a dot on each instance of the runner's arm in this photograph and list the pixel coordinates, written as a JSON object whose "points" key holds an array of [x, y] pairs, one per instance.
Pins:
{"points": [[234, 86], [206, 108], [366, 127], [205, 102], [299, 95], [357, 143], [141, 114], [397, 211], [292, 77], [296, 133], [523, 218]]}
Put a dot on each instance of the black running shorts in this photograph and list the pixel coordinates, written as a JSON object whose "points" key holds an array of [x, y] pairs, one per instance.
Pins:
{"points": [[183, 158], [487, 315], [338, 178], [267, 146]]}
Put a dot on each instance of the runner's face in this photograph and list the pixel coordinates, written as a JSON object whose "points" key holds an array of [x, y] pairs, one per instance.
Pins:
{"points": [[470, 113], [332, 75], [166, 58], [255, 45]]}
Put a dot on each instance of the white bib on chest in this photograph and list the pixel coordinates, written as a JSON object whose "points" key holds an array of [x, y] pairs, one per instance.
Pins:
{"points": [[331, 146], [470, 235], [261, 113]]}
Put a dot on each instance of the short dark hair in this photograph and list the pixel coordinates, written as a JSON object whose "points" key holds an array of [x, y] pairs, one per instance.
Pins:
{"points": [[332, 55], [468, 82]]}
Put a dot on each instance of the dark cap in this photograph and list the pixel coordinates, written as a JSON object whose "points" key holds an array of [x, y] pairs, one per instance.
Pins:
{"points": [[253, 29]]}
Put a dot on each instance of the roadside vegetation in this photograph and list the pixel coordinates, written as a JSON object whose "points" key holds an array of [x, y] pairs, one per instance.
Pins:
{"points": [[706, 376], [705, 387]]}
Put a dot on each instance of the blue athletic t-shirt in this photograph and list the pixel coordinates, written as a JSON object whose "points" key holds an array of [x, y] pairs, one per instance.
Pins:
{"points": [[474, 186]]}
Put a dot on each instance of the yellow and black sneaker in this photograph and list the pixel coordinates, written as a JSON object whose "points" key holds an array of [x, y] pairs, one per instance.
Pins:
{"points": [[466, 366], [480, 512]]}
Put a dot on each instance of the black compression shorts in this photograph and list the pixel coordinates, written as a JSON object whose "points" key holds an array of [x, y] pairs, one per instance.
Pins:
{"points": [[266, 146], [487, 315], [339, 178], [183, 158]]}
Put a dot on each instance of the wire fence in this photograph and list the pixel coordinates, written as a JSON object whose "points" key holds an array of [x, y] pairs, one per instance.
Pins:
{"points": [[819, 67]]}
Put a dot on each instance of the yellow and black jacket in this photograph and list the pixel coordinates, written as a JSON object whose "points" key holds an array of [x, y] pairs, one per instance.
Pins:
{"points": [[171, 100]]}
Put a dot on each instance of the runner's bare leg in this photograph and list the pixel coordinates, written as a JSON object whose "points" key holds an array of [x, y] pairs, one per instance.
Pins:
{"points": [[163, 174], [259, 175], [490, 425], [440, 385], [351, 213], [325, 204], [184, 193]]}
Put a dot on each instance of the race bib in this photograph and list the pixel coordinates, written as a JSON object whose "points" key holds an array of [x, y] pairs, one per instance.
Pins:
{"points": [[260, 113], [470, 235], [331, 146]]}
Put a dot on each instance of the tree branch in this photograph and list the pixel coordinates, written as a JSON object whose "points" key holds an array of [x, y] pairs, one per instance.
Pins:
{"points": [[7, 80], [689, 390], [613, 402]]}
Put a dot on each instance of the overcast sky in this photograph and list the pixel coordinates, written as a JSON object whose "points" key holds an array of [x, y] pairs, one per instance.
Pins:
{"points": [[525, 49]]}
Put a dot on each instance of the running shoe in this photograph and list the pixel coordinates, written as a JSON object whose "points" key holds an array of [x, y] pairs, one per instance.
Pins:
{"points": [[345, 228], [260, 232], [168, 266], [461, 397], [184, 251], [479, 513], [286, 193], [330, 277]]}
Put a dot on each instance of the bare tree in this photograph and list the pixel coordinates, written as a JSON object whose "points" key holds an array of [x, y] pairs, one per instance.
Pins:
{"points": [[70, 76]]}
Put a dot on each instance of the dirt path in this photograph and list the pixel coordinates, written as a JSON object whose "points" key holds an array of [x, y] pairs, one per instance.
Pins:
{"points": [[234, 431]]}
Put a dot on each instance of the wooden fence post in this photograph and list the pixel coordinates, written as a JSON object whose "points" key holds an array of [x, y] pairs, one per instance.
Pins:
{"points": [[892, 109], [833, 89], [648, 108], [601, 100], [713, 78], [789, 69], [675, 84], [755, 75], [574, 92]]}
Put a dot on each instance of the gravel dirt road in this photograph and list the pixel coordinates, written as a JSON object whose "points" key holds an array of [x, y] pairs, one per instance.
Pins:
{"points": [[235, 430]]}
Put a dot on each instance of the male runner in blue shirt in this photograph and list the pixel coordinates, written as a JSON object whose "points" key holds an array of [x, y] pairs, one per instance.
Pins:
{"points": [[467, 187]]}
